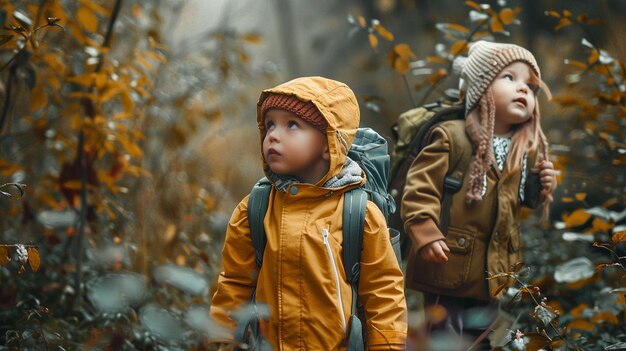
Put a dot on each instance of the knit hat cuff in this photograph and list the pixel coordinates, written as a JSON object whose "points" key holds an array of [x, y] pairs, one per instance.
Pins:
{"points": [[305, 110]]}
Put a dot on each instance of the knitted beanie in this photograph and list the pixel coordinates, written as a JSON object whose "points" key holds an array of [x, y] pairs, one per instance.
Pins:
{"points": [[305, 110], [484, 62]]}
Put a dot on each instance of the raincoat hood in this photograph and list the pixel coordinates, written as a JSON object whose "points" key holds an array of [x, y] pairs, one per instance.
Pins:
{"points": [[338, 105]]}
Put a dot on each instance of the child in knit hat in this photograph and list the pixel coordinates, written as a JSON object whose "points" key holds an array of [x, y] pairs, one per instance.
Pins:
{"points": [[502, 131], [307, 126]]}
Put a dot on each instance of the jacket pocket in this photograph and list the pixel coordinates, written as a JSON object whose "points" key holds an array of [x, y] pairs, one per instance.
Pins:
{"points": [[456, 271]]}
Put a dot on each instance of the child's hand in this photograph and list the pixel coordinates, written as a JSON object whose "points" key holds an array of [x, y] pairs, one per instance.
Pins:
{"points": [[435, 252], [547, 174]]}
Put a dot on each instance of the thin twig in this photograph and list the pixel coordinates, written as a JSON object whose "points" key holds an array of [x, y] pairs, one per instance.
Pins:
{"points": [[82, 162]]}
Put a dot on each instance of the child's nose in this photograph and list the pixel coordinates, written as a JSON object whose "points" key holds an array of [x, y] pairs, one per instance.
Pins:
{"points": [[523, 88], [272, 135]]}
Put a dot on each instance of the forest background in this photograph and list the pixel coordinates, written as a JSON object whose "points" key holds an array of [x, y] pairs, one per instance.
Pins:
{"points": [[125, 143]]}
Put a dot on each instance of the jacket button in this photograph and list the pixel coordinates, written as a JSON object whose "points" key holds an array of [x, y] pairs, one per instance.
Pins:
{"points": [[496, 235], [293, 190], [461, 241]]}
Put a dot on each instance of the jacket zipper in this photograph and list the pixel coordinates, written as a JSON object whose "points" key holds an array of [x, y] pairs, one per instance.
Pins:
{"points": [[334, 265]]}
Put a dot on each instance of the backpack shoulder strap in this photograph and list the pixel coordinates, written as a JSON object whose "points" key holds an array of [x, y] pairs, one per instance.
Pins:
{"points": [[355, 202], [459, 159], [257, 207]]}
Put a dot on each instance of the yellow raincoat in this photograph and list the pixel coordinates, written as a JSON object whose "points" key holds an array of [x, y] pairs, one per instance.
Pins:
{"points": [[302, 280]]}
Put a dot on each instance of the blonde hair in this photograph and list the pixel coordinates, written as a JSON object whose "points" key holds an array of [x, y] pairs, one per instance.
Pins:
{"points": [[528, 137]]}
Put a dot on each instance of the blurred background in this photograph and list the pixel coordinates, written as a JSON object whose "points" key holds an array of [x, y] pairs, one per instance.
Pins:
{"points": [[128, 136]]}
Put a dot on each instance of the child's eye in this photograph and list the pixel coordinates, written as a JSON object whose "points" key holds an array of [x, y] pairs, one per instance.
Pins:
{"points": [[507, 76], [269, 125], [533, 87], [293, 125]]}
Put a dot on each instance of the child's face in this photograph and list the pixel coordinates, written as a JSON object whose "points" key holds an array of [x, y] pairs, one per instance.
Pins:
{"points": [[294, 147], [514, 96]]}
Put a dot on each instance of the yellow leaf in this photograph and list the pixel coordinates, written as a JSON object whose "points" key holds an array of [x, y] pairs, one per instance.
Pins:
{"points": [[95, 7], [136, 11], [383, 32], [252, 38], [496, 25], [605, 317], [180, 260], [580, 324], [577, 311], [473, 5], [500, 288], [145, 63], [553, 14], [576, 218], [404, 51], [87, 19], [437, 76], [457, 28], [593, 57], [4, 255], [72, 184], [157, 56], [507, 16], [619, 237], [373, 41], [577, 64], [459, 47], [600, 225], [84, 79], [435, 313], [127, 101], [564, 22], [33, 259], [361, 20], [581, 196], [567, 13], [38, 98], [567, 199], [437, 59]]}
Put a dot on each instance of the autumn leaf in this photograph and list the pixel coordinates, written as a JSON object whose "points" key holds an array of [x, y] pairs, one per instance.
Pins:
{"points": [[599, 225], [4, 255], [437, 59], [33, 259], [553, 14], [619, 237], [580, 324], [496, 25], [399, 58], [473, 5], [383, 32], [507, 16], [605, 317], [361, 20], [577, 218], [252, 38], [87, 19], [564, 22], [581, 196], [373, 40], [435, 313], [458, 47], [500, 288]]}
